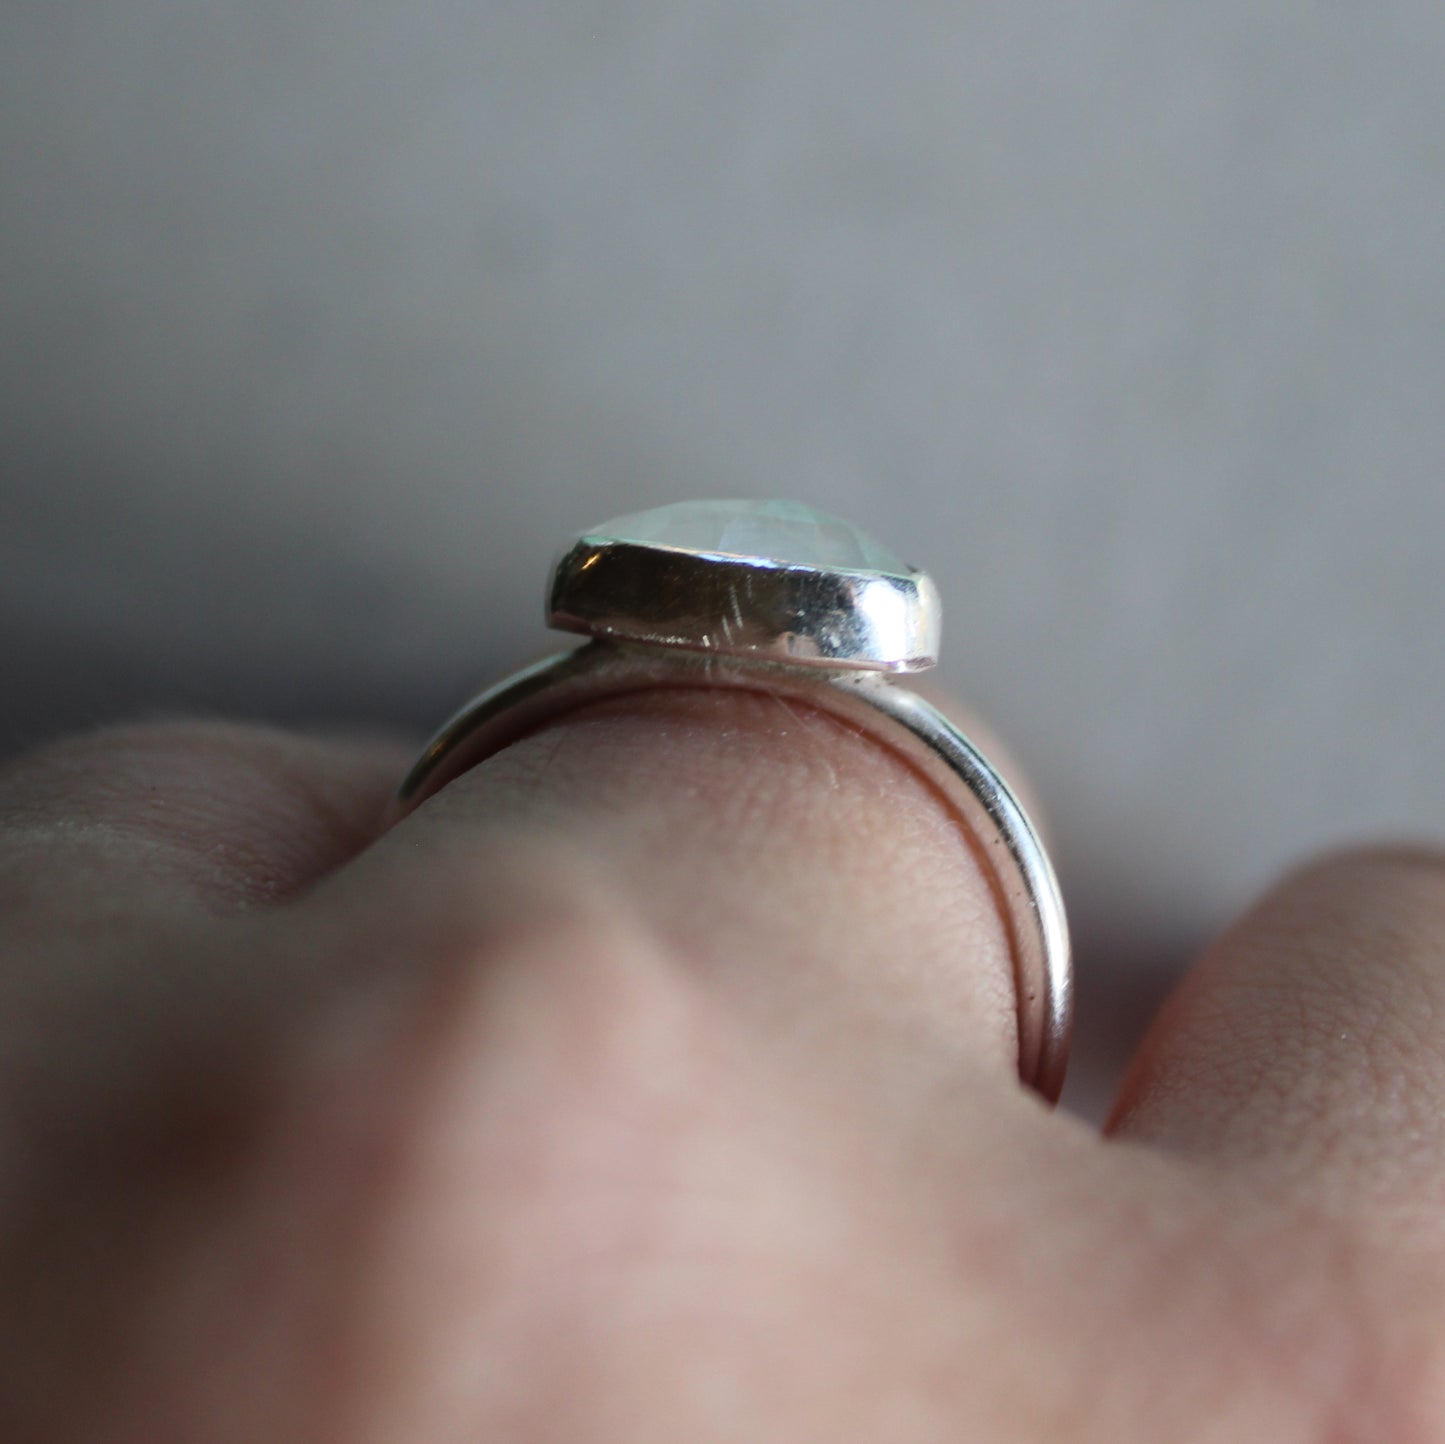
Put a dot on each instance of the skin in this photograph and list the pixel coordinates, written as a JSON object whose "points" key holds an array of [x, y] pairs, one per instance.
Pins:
{"points": [[655, 1082]]}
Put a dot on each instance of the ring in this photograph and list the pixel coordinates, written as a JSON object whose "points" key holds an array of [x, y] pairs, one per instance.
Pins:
{"points": [[775, 597]]}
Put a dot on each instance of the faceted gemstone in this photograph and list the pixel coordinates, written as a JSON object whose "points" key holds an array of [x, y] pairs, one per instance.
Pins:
{"points": [[776, 531]]}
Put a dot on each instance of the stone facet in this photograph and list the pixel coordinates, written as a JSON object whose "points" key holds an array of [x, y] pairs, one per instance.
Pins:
{"points": [[784, 532]]}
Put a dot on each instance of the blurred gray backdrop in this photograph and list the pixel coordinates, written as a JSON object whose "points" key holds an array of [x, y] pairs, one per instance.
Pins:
{"points": [[325, 321]]}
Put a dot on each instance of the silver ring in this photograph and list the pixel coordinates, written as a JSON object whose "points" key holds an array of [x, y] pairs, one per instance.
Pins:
{"points": [[774, 597]]}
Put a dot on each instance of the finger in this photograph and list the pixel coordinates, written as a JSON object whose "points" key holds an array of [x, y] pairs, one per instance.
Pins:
{"points": [[653, 964], [797, 867], [1307, 1044], [119, 852], [220, 813], [712, 984]]}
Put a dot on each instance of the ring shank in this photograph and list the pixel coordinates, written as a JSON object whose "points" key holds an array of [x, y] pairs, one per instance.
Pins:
{"points": [[1019, 866]]}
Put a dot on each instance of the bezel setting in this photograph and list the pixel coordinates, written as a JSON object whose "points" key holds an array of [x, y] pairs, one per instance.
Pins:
{"points": [[768, 608]]}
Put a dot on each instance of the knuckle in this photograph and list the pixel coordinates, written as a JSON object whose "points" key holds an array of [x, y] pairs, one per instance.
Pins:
{"points": [[231, 813], [1370, 884], [1353, 947], [130, 765]]}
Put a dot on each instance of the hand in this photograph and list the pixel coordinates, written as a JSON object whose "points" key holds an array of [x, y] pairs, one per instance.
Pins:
{"points": [[655, 1082]]}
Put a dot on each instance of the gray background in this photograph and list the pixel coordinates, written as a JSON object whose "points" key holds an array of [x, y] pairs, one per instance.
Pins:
{"points": [[324, 321]]}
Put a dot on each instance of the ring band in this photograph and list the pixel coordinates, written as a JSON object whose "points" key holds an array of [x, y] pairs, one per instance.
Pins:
{"points": [[798, 650]]}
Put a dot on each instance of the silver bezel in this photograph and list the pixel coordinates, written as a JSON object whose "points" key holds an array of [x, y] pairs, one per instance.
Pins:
{"points": [[742, 606]]}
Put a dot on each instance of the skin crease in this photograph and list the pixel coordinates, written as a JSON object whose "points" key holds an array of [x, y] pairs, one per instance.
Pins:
{"points": [[655, 1082]]}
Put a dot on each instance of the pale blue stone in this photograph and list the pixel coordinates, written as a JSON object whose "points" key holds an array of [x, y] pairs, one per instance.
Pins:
{"points": [[775, 531]]}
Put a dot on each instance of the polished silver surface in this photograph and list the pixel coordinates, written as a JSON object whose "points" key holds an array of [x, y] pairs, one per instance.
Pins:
{"points": [[809, 612], [991, 816]]}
